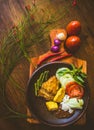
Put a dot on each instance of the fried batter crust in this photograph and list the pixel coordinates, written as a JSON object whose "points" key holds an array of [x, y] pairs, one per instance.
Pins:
{"points": [[49, 88]]}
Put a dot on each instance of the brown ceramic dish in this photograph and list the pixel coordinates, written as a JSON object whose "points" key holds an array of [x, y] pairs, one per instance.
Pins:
{"points": [[37, 105]]}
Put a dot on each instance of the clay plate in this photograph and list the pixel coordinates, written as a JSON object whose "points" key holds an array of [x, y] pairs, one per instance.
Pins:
{"points": [[37, 105]]}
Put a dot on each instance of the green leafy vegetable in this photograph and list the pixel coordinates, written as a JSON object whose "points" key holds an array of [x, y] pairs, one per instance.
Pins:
{"points": [[76, 73]]}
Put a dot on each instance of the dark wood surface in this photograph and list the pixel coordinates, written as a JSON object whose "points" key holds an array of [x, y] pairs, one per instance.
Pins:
{"points": [[70, 59], [11, 12]]}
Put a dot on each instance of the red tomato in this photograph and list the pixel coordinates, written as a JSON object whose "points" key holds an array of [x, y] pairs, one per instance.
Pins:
{"points": [[73, 89], [73, 28], [73, 43], [69, 85]]}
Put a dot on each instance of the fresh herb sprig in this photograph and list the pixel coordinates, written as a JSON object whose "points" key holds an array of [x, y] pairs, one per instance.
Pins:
{"points": [[78, 75], [42, 78], [17, 43]]}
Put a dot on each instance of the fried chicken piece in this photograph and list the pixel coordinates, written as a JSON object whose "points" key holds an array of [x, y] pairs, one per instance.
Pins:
{"points": [[49, 88]]}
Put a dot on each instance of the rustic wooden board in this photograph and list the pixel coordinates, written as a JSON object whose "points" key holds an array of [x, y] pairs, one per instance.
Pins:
{"points": [[77, 62]]}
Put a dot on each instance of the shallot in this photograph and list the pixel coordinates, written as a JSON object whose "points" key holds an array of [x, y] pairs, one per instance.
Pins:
{"points": [[55, 48], [57, 42]]}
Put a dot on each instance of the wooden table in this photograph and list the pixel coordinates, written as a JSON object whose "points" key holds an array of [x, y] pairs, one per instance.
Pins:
{"points": [[70, 59], [11, 13]]}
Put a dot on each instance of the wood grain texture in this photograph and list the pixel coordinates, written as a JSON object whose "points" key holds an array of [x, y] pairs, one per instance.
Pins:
{"points": [[71, 60], [11, 12]]}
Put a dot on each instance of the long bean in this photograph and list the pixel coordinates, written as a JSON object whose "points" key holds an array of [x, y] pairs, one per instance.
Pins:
{"points": [[42, 78]]}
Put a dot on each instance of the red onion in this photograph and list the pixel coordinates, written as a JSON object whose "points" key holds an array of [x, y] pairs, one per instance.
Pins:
{"points": [[57, 42], [55, 48]]}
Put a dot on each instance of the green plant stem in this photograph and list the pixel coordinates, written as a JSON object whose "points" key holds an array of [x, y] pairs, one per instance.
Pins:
{"points": [[16, 114], [18, 41]]}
